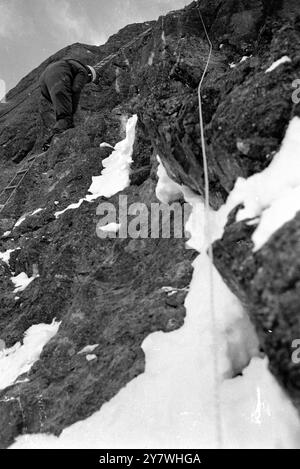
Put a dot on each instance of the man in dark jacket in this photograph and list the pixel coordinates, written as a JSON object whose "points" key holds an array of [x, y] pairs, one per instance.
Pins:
{"points": [[61, 84]]}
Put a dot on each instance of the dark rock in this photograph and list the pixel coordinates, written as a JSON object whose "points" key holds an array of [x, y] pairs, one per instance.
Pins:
{"points": [[109, 291], [268, 283]]}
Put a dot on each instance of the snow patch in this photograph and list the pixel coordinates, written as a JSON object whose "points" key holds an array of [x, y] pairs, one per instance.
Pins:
{"points": [[19, 359], [7, 233], [283, 60], [111, 227], [273, 194], [90, 358], [255, 412], [243, 59], [106, 145], [37, 211], [115, 175], [88, 349], [167, 190], [20, 221], [270, 198], [151, 58], [23, 218], [151, 415], [70, 207], [22, 281], [5, 256]]}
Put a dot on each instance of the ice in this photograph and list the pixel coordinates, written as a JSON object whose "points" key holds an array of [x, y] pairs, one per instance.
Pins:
{"points": [[283, 60], [18, 359]]}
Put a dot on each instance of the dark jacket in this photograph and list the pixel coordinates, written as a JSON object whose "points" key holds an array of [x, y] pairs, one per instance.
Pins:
{"points": [[61, 84]]}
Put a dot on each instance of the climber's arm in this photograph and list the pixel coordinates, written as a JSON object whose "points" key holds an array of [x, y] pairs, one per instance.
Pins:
{"points": [[79, 82]]}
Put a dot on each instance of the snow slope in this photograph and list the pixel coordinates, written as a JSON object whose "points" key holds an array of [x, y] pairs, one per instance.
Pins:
{"points": [[173, 403], [18, 359]]}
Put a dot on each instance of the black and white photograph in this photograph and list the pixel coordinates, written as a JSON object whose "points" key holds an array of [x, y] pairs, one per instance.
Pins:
{"points": [[149, 230]]}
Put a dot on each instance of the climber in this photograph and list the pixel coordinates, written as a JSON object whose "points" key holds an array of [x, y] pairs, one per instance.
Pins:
{"points": [[61, 84]]}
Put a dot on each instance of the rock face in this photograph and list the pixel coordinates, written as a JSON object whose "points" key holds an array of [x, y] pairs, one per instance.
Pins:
{"points": [[109, 292], [268, 284]]}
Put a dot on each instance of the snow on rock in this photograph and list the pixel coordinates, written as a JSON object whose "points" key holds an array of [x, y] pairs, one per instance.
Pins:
{"points": [[5, 256], [19, 359], [7, 233], [88, 349], [147, 413], [23, 218], [111, 227], [243, 59], [273, 194], [283, 60], [36, 211], [70, 207], [115, 175], [151, 58], [106, 145], [20, 221], [167, 191], [91, 358], [22, 281], [150, 414]]}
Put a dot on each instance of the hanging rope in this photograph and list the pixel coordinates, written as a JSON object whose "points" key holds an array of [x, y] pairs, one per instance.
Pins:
{"points": [[217, 400]]}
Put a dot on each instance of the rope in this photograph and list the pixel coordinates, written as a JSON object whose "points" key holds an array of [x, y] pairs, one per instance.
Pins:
{"points": [[217, 400], [97, 67]]}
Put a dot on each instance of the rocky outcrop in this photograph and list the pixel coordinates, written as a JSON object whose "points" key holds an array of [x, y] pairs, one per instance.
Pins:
{"points": [[109, 292], [267, 282], [246, 111]]}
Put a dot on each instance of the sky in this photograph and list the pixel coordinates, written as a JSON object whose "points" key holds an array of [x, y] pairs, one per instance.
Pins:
{"points": [[32, 30]]}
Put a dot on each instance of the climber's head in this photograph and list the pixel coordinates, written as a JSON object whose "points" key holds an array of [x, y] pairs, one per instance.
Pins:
{"points": [[92, 73]]}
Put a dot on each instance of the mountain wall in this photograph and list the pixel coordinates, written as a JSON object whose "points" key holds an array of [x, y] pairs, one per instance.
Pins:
{"points": [[111, 292]]}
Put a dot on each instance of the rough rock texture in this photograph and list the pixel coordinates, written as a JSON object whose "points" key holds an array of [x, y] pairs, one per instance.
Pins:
{"points": [[268, 283], [109, 292], [242, 104]]}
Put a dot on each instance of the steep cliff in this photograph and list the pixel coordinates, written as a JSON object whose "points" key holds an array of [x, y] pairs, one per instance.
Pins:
{"points": [[110, 292]]}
